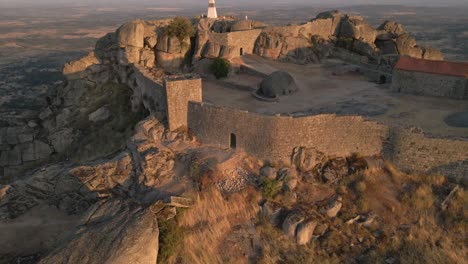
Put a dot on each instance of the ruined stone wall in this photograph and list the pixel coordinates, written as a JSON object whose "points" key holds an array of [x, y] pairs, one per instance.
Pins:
{"points": [[415, 151], [147, 92], [275, 137], [419, 83], [180, 90]]}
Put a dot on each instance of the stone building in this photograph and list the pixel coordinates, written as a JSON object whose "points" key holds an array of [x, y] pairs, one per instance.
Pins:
{"points": [[433, 78]]}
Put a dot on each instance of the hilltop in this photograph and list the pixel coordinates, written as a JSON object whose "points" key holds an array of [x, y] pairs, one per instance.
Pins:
{"points": [[102, 176]]}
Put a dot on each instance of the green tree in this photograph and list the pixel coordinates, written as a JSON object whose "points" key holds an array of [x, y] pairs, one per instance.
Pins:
{"points": [[220, 68], [181, 28]]}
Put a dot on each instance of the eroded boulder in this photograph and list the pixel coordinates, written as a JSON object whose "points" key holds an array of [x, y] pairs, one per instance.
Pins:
{"points": [[291, 222], [131, 34], [305, 231], [112, 231], [357, 28]]}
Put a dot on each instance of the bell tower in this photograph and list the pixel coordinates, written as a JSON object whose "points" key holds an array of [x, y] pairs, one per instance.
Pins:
{"points": [[212, 9]]}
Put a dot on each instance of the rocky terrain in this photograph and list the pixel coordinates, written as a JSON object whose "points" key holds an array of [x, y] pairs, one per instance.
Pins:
{"points": [[85, 93], [124, 189]]}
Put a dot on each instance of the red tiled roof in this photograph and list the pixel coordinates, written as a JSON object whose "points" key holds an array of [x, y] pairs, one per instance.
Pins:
{"points": [[435, 67]]}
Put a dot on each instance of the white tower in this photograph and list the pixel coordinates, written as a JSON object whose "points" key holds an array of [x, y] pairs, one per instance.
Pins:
{"points": [[212, 9]]}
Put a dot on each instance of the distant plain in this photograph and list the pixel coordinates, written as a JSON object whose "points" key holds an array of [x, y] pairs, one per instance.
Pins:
{"points": [[35, 42]]}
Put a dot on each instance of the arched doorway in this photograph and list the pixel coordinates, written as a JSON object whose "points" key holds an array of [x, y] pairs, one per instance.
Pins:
{"points": [[232, 141], [241, 51]]}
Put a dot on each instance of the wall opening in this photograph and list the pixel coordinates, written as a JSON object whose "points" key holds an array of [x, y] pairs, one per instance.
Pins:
{"points": [[232, 141], [241, 51], [382, 79]]}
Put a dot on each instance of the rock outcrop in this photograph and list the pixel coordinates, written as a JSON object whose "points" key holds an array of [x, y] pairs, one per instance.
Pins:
{"points": [[117, 200], [298, 43], [112, 231]]}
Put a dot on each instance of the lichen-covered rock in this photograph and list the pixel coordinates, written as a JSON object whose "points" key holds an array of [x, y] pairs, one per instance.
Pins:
{"points": [[387, 47], [336, 16], [291, 222], [80, 65], [333, 207], [106, 48], [171, 62], [211, 50], [306, 159], [430, 53], [36, 150], [365, 49], [355, 27], [273, 211], [269, 45], [406, 45], [268, 172], [396, 29], [129, 55], [62, 139], [131, 34], [151, 42], [305, 231], [147, 58], [113, 231], [335, 169], [100, 114]]}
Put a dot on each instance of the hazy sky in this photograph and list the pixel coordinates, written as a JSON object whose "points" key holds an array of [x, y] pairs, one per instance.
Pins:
{"points": [[226, 2]]}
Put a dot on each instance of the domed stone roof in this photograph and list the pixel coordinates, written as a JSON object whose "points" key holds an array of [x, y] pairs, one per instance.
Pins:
{"points": [[277, 84]]}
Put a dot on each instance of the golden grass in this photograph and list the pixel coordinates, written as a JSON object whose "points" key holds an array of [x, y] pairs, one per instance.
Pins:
{"points": [[208, 224]]}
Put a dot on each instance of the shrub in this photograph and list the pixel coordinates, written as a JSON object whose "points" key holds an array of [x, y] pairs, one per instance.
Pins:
{"points": [[361, 186], [421, 198], [270, 188], [220, 68], [181, 28], [170, 236]]}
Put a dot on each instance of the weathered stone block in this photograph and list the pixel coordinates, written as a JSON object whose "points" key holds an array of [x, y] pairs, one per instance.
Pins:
{"points": [[12, 135], [24, 138], [36, 150], [180, 202]]}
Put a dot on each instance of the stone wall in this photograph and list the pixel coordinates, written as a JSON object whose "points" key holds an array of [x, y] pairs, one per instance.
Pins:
{"points": [[420, 83], [147, 92], [244, 40], [275, 137], [179, 91], [415, 151]]}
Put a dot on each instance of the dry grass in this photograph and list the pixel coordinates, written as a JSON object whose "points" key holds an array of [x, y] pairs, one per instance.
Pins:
{"points": [[208, 224]]}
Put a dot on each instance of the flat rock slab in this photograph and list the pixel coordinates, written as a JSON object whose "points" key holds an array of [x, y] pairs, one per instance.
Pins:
{"points": [[180, 202]]}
